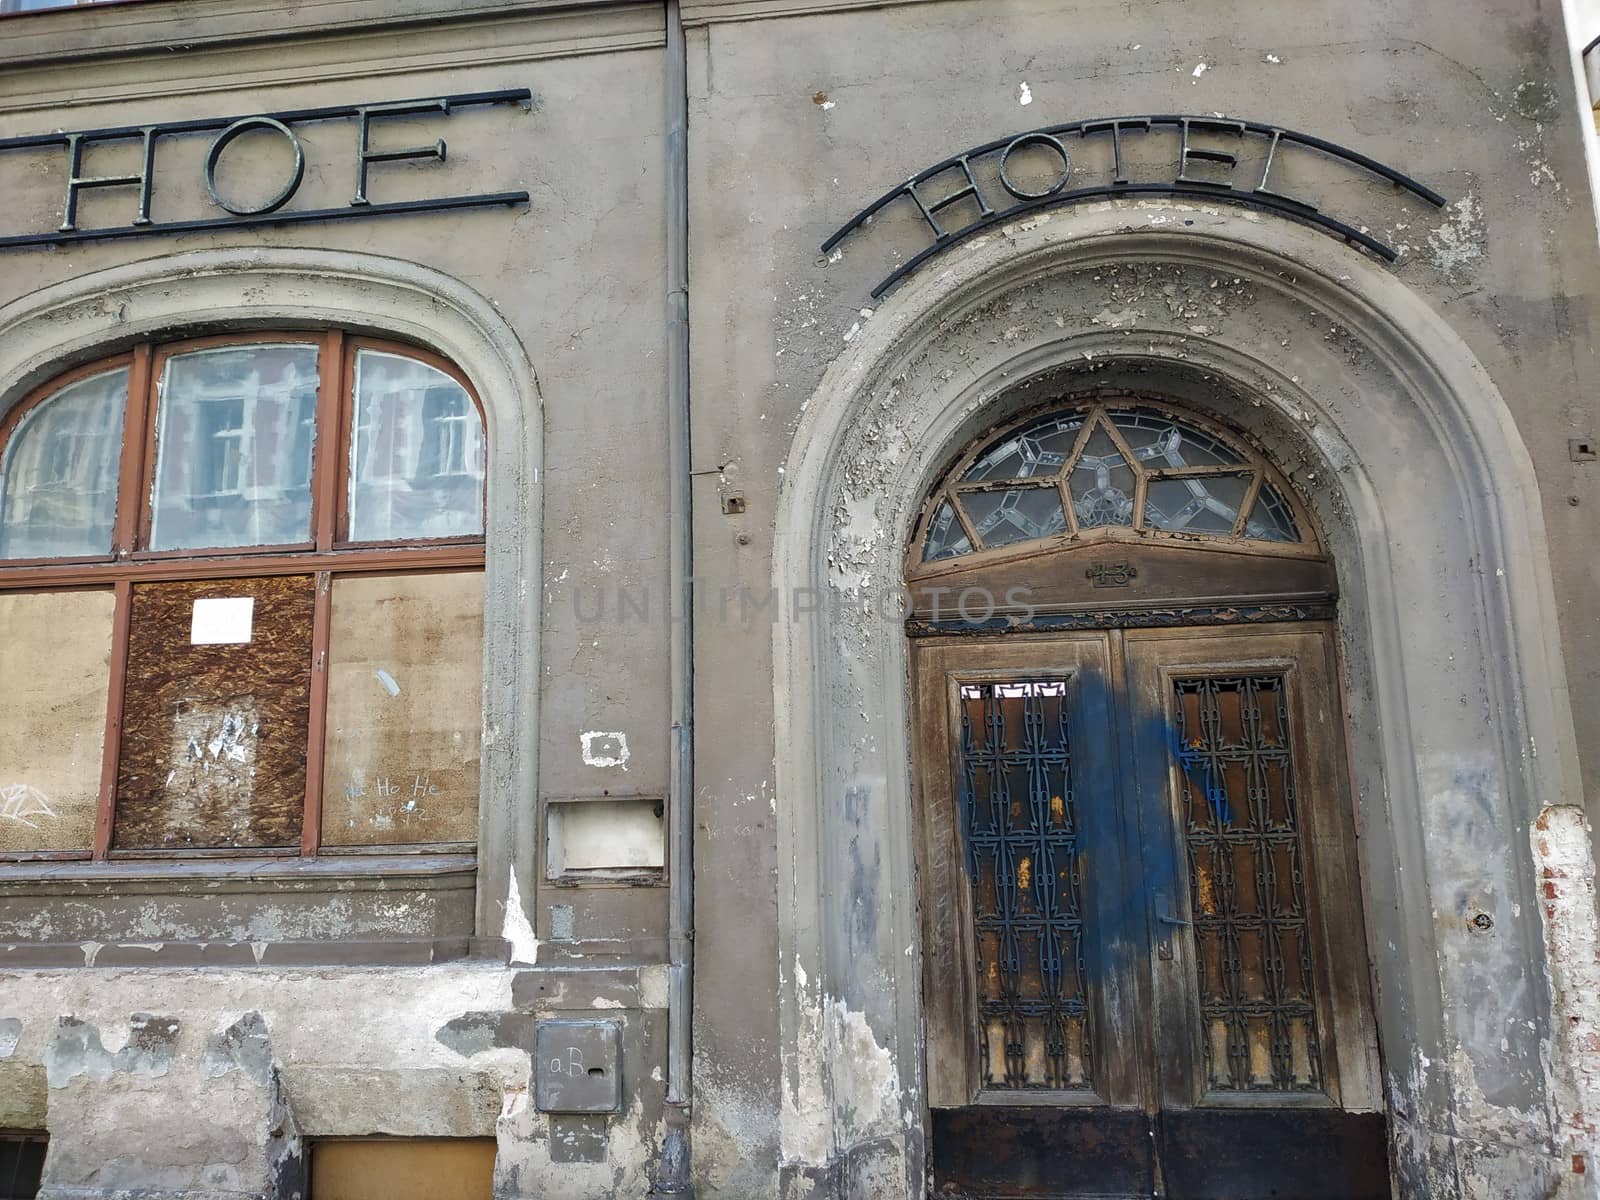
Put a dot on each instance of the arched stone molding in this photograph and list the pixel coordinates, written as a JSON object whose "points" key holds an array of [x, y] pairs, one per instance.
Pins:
{"points": [[1460, 728], [217, 290]]}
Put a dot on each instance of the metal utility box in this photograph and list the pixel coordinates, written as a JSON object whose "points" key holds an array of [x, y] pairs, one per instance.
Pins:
{"points": [[578, 1066]]}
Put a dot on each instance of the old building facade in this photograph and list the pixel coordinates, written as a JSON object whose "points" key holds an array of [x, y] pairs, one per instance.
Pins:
{"points": [[796, 598]]}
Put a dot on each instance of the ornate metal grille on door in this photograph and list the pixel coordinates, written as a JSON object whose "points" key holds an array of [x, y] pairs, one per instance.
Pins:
{"points": [[1024, 862], [1247, 888]]}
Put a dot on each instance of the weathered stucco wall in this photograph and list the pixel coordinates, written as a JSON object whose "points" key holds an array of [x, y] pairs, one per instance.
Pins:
{"points": [[822, 113], [214, 1092], [570, 285], [802, 112]]}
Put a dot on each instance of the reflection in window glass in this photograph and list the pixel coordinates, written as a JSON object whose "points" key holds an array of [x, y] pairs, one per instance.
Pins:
{"points": [[1139, 468], [234, 439], [1015, 515], [1102, 484], [55, 651], [1162, 441], [1196, 503], [1272, 520], [416, 453], [58, 483], [404, 704], [1041, 448], [22, 1156], [946, 538]]}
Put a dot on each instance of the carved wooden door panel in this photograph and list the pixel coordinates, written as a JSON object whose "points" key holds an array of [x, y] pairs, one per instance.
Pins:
{"points": [[1144, 967]]}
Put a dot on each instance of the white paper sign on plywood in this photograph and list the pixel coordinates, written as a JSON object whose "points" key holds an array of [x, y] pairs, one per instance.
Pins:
{"points": [[222, 621]]}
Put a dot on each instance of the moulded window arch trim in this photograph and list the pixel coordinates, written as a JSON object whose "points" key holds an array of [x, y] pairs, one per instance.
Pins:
{"points": [[329, 552]]}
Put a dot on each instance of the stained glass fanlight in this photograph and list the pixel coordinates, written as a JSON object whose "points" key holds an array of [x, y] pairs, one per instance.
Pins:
{"points": [[1138, 466]]}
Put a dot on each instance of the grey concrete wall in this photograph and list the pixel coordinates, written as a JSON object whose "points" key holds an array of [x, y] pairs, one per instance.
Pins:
{"points": [[814, 116], [801, 113], [575, 277]]}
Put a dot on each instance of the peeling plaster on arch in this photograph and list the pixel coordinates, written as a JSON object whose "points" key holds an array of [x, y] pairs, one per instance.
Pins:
{"points": [[219, 289], [1411, 459]]}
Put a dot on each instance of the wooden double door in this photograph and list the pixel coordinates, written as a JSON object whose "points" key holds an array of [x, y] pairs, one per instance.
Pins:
{"points": [[1145, 972]]}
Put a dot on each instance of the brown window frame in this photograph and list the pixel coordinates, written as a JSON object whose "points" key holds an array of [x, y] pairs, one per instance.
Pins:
{"points": [[328, 552]]}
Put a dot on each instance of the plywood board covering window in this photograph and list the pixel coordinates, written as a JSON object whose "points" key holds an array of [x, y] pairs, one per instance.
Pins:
{"points": [[52, 717], [214, 734], [403, 729], [241, 601]]}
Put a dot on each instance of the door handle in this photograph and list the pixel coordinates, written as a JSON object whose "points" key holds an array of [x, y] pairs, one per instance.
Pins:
{"points": [[1164, 942]]}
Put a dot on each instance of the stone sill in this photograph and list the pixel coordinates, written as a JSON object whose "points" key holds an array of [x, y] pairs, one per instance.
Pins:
{"points": [[367, 872], [392, 952]]}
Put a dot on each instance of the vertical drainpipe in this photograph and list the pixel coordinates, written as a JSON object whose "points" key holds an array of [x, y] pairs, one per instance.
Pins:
{"points": [[672, 1172]]}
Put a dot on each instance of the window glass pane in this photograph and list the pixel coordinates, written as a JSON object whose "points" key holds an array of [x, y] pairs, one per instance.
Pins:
{"points": [[1196, 503], [55, 651], [59, 489], [1271, 520], [1040, 448], [234, 439], [946, 538], [416, 453], [404, 710], [1102, 483], [216, 714], [1015, 515], [22, 1164], [1160, 441]]}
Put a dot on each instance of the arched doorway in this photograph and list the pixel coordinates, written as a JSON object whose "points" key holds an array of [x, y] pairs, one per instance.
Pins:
{"points": [[1398, 438], [1145, 971]]}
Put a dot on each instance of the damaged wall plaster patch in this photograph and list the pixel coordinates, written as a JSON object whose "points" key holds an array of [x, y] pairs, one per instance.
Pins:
{"points": [[1562, 850], [1460, 241], [517, 929], [244, 1045], [563, 919], [872, 1099], [10, 1035], [866, 1098], [605, 749], [805, 1132], [76, 1050]]}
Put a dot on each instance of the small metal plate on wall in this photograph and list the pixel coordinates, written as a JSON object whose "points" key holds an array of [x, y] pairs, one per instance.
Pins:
{"points": [[577, 1066]]}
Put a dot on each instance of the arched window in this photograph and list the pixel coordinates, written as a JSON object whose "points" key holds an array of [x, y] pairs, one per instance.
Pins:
{"points": [[241, 602], [1136, 466]]}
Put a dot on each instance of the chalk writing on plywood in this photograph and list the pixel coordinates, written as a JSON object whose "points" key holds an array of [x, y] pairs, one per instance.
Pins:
{"points": [[24, 804]]}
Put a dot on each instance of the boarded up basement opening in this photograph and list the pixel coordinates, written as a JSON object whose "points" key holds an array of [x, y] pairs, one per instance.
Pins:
{"points": [[416, 1168]]}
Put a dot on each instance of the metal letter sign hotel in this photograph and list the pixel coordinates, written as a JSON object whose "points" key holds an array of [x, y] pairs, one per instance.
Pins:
{"points": [[1188, 179], [269, 211]]}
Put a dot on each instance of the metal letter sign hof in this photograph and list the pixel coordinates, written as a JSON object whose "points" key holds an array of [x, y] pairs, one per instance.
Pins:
{"points": [[271, 210], [1195, 175]]}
